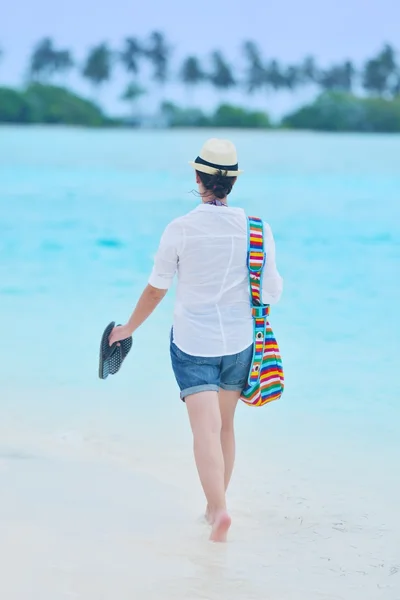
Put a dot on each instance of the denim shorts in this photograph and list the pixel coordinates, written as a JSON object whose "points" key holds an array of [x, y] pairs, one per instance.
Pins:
{"points": [[210, 373]]}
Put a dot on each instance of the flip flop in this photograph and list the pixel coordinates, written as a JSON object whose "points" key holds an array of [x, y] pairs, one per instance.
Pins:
{"points": [[112, 357]]}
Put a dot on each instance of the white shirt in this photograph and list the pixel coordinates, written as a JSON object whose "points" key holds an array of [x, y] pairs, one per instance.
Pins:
{"points": [[207, 248]]}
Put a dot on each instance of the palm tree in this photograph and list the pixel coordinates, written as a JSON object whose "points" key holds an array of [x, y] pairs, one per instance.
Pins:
{"points": [[191, 73], [130, 55], [308, 70], [98, 66], [46, 61], [63, 61], [255, 72], [42, 60], [274, 76], [221, 76], [328, 79], [132, 94], [349, 74], [292, 77], [159, 52], [379, 75], [338, 77]]}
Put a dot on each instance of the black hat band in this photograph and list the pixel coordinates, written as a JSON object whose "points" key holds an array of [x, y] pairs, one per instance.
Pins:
{"points": [[201, 161]]}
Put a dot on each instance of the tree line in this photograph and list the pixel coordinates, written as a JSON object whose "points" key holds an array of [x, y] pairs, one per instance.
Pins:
{"points": [[379, 75]]}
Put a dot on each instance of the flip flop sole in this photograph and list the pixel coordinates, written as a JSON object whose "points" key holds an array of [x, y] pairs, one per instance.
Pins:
{"points": [[105, 352], [112, 357]]}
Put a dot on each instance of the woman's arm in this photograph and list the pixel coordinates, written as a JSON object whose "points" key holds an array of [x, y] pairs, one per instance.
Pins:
{"points": [[161, 278], [148, 302]]}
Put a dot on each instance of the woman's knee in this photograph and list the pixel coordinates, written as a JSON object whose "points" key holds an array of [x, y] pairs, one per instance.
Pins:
{"points": [[208, 427], [227, 427]]}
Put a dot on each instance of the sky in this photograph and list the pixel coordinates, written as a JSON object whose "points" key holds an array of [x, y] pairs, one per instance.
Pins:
{"points": [[332, 30]]}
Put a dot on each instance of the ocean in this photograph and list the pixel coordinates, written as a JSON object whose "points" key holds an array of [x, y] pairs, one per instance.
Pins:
{"points": [[99, 498]]}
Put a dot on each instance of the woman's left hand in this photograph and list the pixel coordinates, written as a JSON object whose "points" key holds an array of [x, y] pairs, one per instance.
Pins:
{"points": [[118, 334]]}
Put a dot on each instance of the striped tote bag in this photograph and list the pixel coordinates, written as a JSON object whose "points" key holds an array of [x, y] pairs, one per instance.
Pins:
{"points": [[266, 379]]}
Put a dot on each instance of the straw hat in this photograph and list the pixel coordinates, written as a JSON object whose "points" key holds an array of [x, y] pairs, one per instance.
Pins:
{"points": [[217, 155]]}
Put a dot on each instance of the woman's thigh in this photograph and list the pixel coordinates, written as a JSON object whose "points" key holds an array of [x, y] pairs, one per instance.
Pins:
{"points": [[204, 413]]}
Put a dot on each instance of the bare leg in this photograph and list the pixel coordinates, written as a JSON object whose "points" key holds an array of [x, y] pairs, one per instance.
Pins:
{"points": [[227, 403], [205, 421]]}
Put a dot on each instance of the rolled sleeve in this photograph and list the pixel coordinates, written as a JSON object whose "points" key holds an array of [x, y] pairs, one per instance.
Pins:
{"points": [[166, 258], [272, 285]]}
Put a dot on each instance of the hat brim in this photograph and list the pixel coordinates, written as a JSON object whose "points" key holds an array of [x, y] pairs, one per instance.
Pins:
{"points": [[213, 170]]}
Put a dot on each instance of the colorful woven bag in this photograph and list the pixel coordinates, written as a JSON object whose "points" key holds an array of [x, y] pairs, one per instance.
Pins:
{"points": [[266, 379]]}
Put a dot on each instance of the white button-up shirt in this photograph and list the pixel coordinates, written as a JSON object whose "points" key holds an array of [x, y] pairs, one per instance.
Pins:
{"points": [[207, 248]]}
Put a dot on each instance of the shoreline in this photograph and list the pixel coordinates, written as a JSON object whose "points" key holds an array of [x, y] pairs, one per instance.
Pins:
{"points": [[191, 128]]}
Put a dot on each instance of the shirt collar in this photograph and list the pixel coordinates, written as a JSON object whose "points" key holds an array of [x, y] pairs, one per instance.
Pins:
{"points": [[211, 207]]}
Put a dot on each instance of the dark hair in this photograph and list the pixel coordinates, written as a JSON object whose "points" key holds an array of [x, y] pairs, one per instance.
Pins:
{"points": [[219, 184]]}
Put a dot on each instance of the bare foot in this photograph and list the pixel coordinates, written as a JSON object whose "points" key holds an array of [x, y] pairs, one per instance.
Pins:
{"points": [[220, 528]]}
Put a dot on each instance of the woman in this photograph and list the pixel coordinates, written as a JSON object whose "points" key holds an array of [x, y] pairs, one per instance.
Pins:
{"points": [[212, 334]]}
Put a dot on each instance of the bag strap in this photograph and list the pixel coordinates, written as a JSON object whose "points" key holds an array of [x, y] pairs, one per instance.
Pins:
{"points": [[255, 263]]}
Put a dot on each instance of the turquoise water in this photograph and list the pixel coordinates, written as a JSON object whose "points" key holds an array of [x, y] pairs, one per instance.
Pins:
{"points": [[81, 213]]}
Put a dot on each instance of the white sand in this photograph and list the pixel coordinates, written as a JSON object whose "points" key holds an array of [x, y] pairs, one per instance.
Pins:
{"points": [[97, 517]]}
